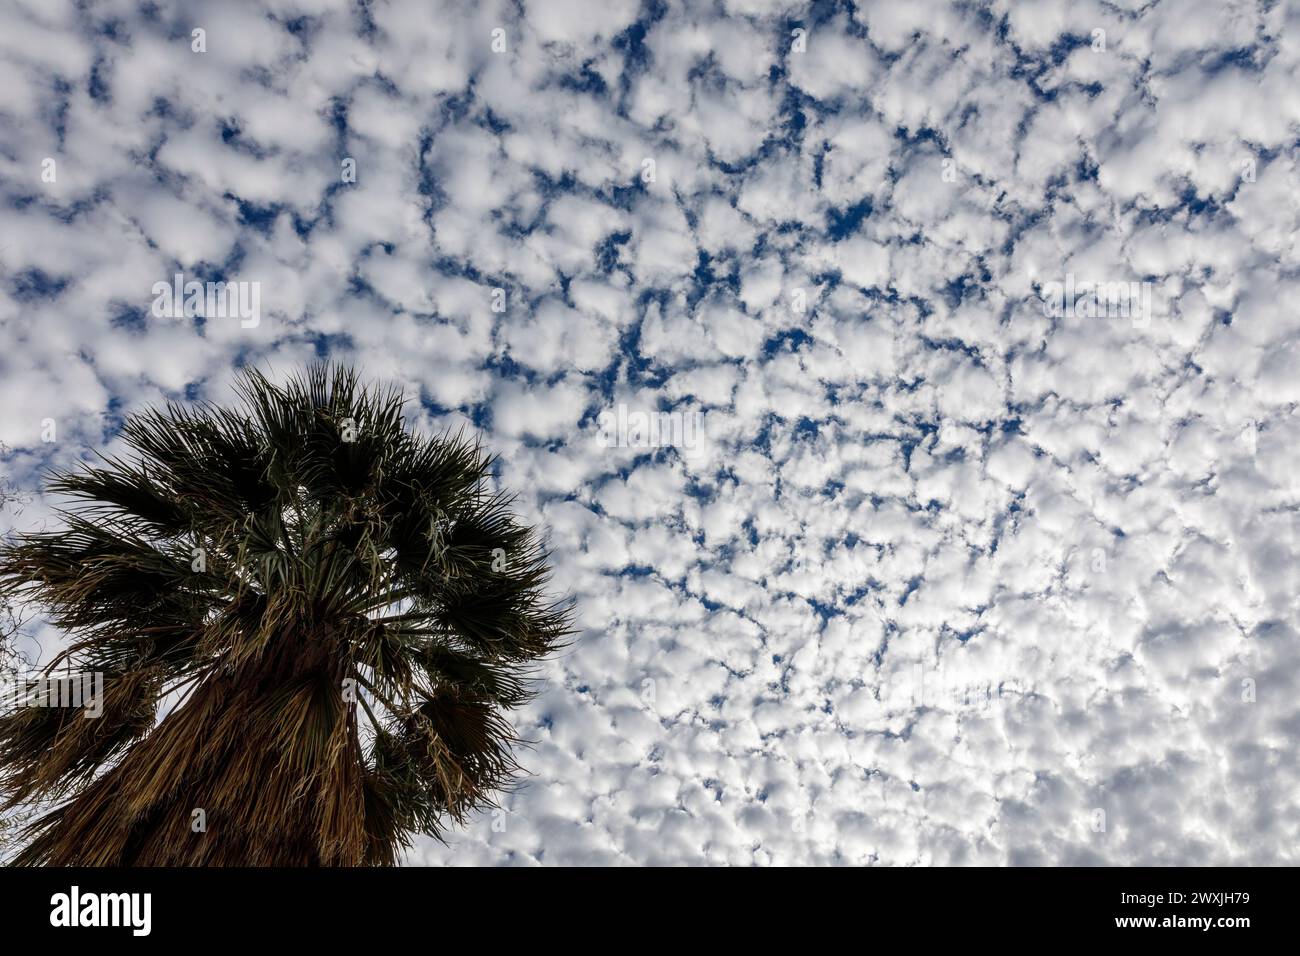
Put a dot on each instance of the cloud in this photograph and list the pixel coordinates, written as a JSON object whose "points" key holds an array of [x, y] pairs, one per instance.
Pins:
{"points": [[947, 574]]}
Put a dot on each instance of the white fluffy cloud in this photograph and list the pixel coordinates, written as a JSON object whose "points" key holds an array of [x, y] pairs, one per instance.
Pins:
{"points": [[948, 575]]}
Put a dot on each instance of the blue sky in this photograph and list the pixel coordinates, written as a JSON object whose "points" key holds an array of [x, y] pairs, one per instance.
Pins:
{"points": [[947, 577]]}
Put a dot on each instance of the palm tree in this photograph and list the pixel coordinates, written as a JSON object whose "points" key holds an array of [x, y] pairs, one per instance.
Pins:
{"points": [[329, 612]]}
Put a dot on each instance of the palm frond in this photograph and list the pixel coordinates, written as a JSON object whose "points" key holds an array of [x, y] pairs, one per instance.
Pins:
{"points": [[338, 612]]}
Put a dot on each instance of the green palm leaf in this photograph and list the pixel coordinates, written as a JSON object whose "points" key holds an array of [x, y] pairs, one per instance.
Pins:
{"points": [[310, 621]]}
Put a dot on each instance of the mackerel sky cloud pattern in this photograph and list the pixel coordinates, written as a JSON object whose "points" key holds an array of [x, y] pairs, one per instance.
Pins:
{"points": [[950, 576]]}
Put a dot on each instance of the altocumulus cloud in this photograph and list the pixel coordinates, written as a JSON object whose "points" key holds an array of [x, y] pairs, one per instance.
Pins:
{"points": [[952, 574]]}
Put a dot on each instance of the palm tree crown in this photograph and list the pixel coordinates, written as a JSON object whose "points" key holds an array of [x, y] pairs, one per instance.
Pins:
{"points": [[309, 621]]}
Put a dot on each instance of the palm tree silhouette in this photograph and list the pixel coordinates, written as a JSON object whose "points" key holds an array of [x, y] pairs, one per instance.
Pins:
{"points": [[329, 612]]}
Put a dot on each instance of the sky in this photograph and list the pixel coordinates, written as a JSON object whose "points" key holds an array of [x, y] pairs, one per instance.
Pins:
{"points": [[967, 530]]}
